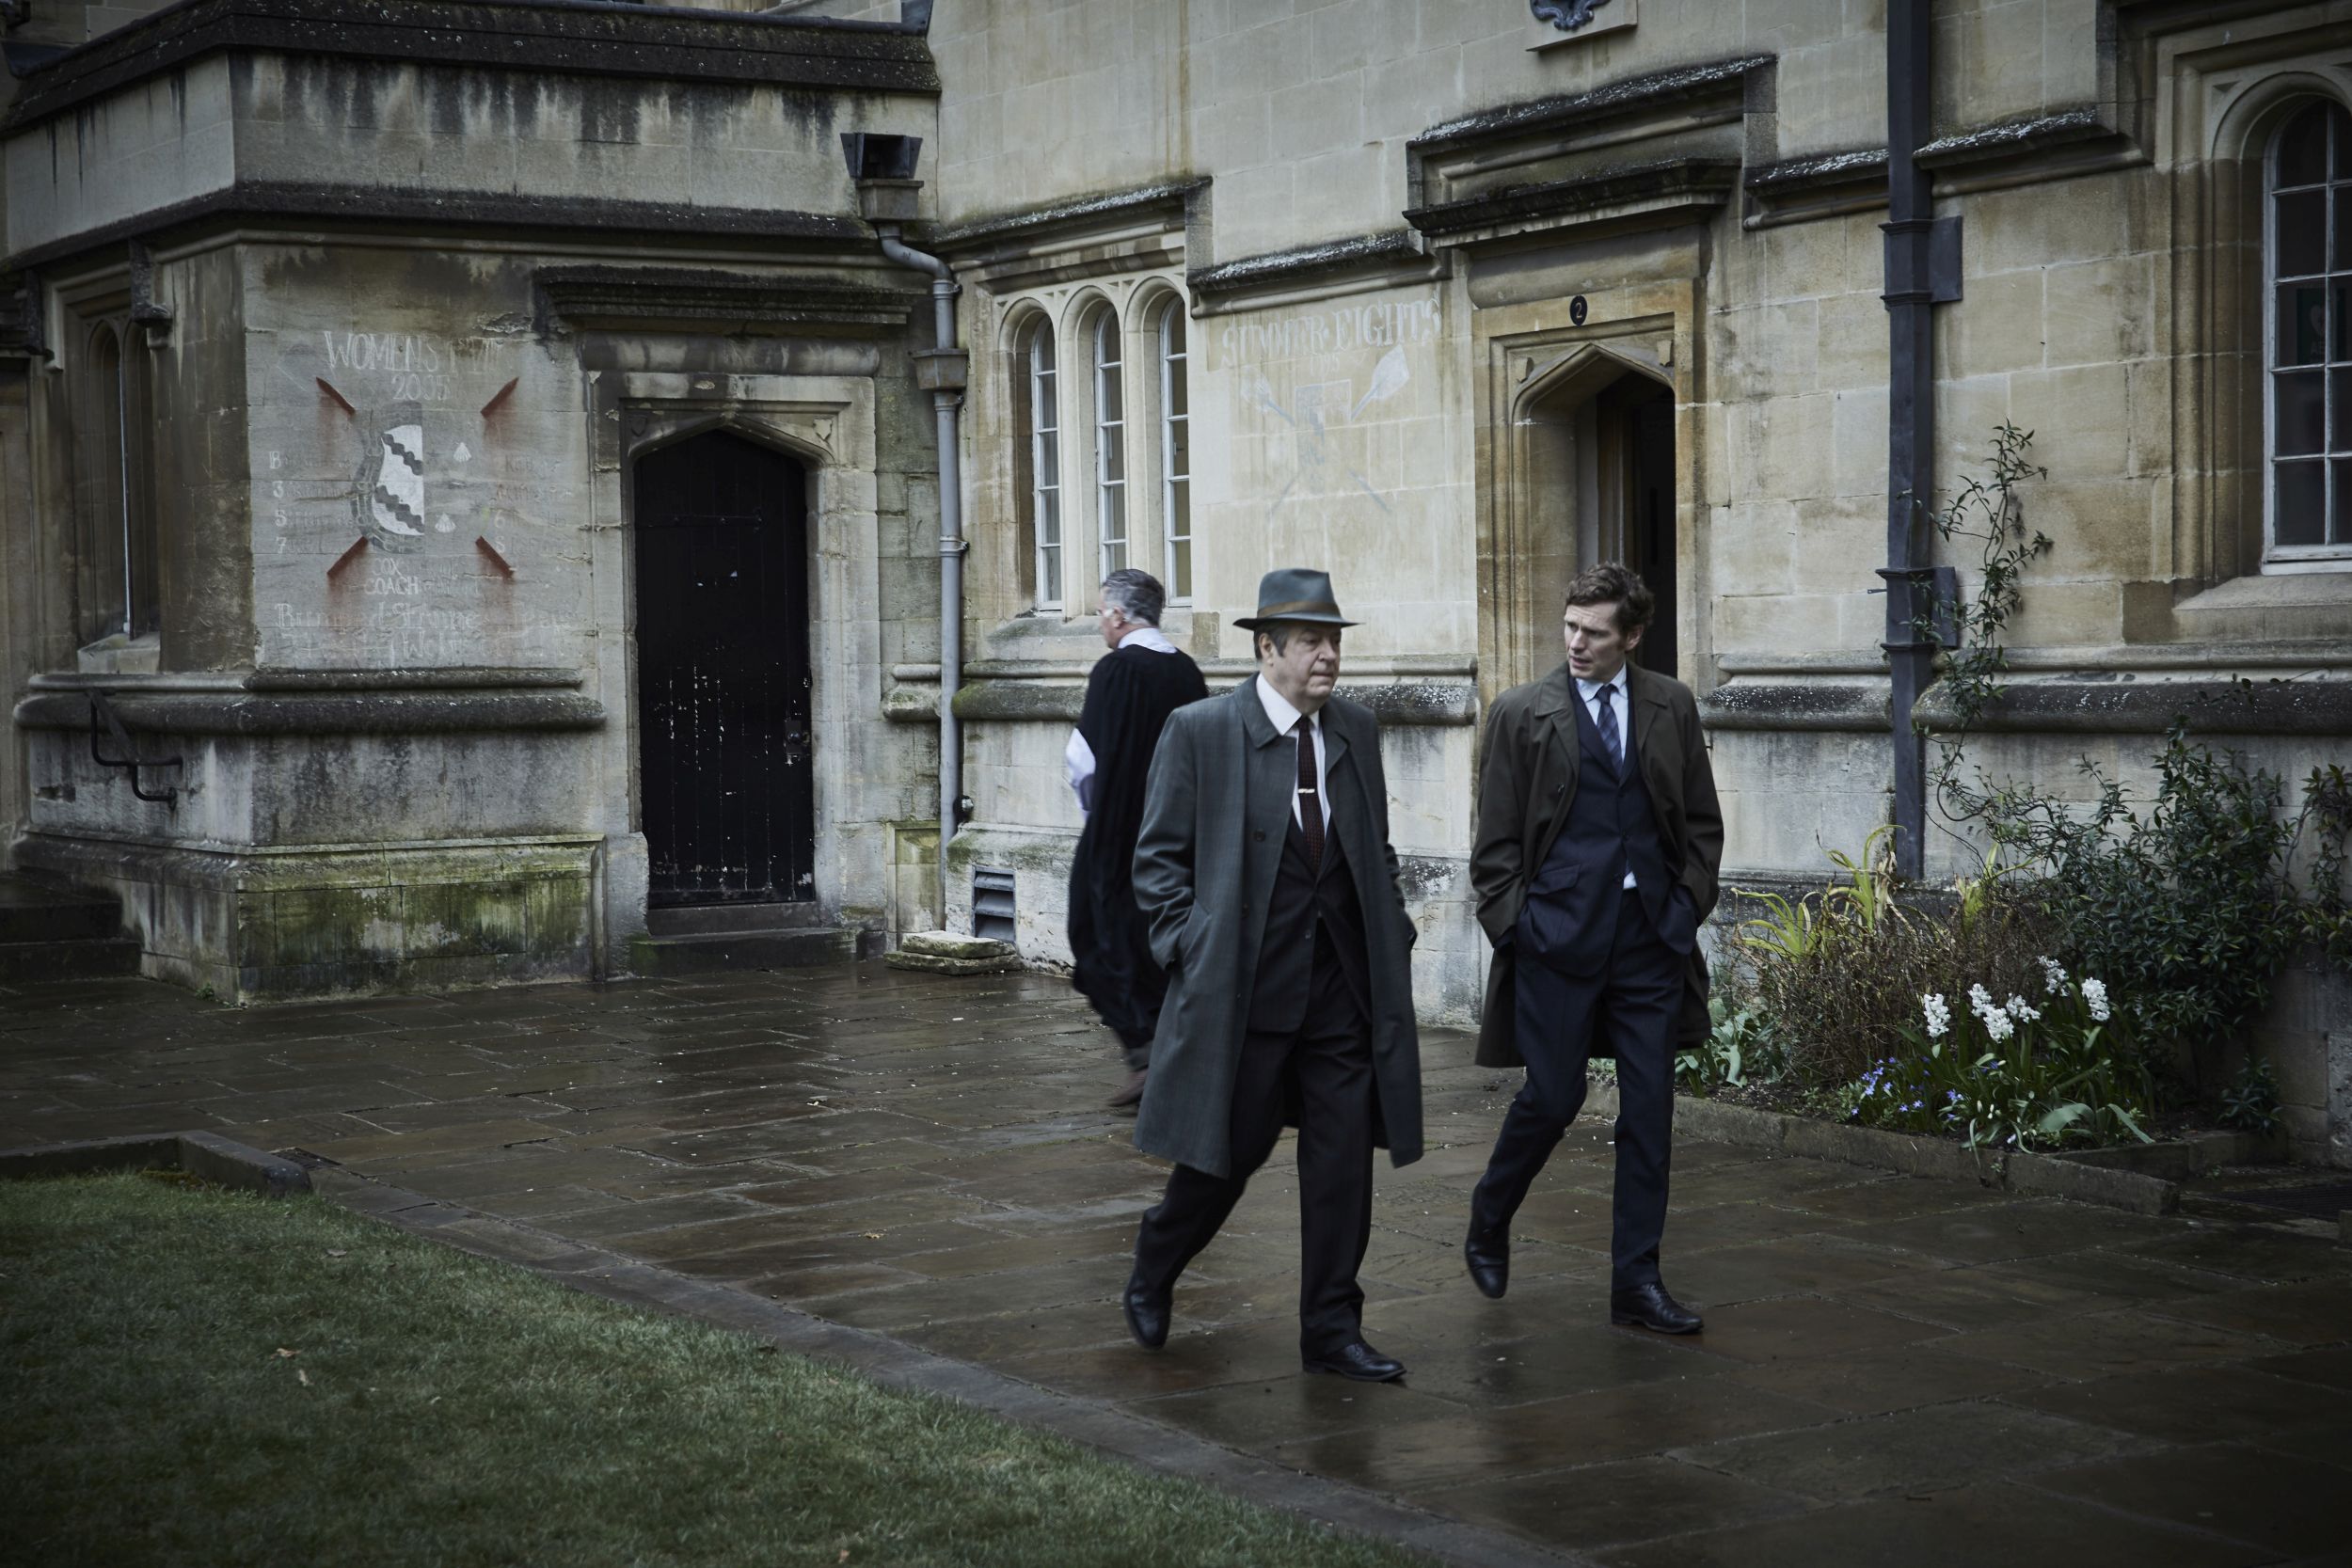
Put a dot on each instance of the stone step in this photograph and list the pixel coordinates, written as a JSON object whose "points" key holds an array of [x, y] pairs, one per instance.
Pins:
{"points": [[36, 911], [952, 953], [708, 951], [693, 920], [26, 963]]}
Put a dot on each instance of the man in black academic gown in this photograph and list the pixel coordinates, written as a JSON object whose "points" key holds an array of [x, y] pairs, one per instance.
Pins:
{"points": [[1130, 694]]}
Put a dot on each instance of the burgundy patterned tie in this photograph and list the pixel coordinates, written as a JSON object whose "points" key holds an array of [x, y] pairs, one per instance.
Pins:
{"points": [[1309, 798]]}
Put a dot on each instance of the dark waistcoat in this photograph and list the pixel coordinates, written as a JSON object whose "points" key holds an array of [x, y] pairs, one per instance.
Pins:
{"points": [[1308, 909], [1612, 825]]}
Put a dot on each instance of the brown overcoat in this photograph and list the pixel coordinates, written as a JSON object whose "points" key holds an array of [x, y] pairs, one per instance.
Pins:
{"points": [[1526, 781]]}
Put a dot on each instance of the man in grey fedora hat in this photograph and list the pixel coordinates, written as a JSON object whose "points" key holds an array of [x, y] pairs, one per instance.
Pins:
{"points": [[1264, 869]]}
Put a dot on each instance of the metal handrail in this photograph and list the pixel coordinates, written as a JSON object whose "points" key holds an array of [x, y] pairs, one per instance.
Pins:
{"points": [[104, 719]]}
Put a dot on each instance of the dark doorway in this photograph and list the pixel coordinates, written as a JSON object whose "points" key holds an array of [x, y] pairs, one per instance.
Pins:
{"points": [[1636, 430], [725, 786]]}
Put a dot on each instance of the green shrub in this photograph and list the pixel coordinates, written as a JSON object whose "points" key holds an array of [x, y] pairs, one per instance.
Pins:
{"points": [[2250, 1103], [1742, 1046], [2185, 903]]}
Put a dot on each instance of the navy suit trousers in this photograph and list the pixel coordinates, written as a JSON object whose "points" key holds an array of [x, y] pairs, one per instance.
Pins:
{"points": [[1633, 1001]]}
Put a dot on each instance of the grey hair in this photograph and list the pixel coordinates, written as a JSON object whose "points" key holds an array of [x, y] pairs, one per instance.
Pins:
{"points": [[1138, 595]]}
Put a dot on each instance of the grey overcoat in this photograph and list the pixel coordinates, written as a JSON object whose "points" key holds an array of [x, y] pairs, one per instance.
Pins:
{"points": [[1526, 781], [1214, 814]]}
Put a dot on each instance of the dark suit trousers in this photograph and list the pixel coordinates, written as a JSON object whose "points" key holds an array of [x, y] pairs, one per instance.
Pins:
{"points": [[1635, 999], [1327, 1065]]}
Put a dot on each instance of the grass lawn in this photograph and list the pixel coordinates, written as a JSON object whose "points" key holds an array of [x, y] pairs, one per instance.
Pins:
{"points": [[193, 1376]]}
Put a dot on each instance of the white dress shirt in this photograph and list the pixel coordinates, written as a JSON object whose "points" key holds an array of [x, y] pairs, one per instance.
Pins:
{"points": [[1612, 691], [1286, 718], [1077, 757]]}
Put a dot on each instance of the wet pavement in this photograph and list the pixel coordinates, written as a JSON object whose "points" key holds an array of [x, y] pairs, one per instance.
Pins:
{"points": [[1893, 1369]]}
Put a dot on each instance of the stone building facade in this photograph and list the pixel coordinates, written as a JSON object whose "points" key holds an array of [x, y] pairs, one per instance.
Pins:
{"points": [[1449, 296], [353, 339]]}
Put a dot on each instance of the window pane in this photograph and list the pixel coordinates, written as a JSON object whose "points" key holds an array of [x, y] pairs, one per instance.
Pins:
{"points": [[1048, 460], [1179, 447], [2298, 504], [2340, 124], [2296, 423], [1114, 559], [1114, 514], [2340, 307], [2340, 509], [2340, 411], [1113, 457], [1052, 576], [1180, 510], [2301, 233], [1111, 405], [1041, 341], [1048, 415], [2303, 149], [2302, 324], [2339, 205], [1049, 519], [1179, 568]]}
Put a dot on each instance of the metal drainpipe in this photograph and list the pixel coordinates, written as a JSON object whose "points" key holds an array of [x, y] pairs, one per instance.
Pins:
{"points": [[941, 372], [1922, 268]]}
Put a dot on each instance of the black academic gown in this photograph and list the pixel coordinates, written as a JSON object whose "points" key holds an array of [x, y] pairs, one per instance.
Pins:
{"points": [[1129, 696]]}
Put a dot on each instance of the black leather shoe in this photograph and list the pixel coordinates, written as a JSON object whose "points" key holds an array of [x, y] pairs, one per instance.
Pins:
{"points": [[1650, 1306], [1356, 1360], [1489, 1256], [1147, 1314]]}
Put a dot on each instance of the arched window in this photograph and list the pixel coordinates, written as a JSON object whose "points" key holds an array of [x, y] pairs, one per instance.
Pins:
{"points": [[2308, 255], [119, 592], [1175, 451], [1037, 396], [1110, 443]]}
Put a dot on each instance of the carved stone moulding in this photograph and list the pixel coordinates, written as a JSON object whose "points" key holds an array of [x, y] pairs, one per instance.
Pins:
{"points": [[697, 300]]}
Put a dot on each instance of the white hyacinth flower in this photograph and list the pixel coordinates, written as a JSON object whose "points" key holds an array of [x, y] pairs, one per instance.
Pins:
{"points": [[2095, 998], [1998, 1026], [2023, 1010], [2053, 976], [1981, 999], [1939, 1015]]}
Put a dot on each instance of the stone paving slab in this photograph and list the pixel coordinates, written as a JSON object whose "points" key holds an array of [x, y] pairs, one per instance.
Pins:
{"points": [[913, 1173]]}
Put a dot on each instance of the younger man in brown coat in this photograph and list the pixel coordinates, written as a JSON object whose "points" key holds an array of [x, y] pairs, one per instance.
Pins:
{"points": [[1599, 843]]}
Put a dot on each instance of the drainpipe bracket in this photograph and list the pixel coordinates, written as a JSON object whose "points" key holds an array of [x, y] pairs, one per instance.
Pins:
{"points": [[1932, 625], [1922, 274]]}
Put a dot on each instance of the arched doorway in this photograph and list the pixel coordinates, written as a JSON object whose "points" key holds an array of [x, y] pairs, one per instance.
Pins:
{"points": [[725, 786], [1591, 478], [1634, 421]]}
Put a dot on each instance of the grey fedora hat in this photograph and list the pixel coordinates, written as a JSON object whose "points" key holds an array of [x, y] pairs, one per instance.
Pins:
{"points": [[1294, 594]]}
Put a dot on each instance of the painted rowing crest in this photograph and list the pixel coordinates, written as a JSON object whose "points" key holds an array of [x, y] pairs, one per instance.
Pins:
{"points": [[390, 494]]}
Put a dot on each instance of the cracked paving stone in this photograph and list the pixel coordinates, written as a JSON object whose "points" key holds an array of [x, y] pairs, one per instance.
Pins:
{"points": [[1938, 1445], [2189, 1404], [2269, 1498]]}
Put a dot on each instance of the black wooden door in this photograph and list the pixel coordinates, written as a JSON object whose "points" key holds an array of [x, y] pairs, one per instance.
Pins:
{"points": [[722, 690], [1650, 542]]}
